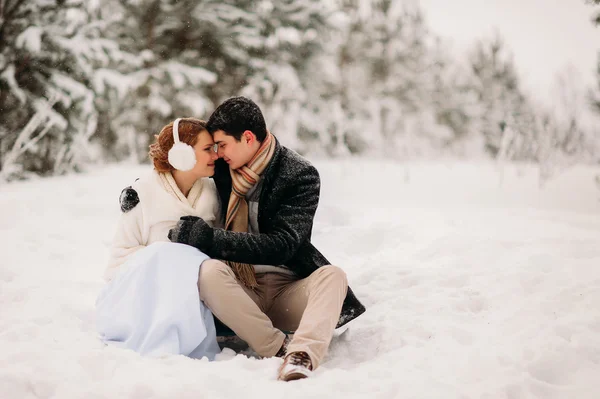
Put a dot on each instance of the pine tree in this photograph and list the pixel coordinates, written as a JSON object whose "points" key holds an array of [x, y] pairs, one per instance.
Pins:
{"points": [[596, 17], [161, 76], [48, 54], [594, 96], [194, 54], [290, 33], [373, 76], [496, 87]]}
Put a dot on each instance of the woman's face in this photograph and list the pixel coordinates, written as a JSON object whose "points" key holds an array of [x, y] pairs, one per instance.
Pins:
{"points": [[205, 156]]}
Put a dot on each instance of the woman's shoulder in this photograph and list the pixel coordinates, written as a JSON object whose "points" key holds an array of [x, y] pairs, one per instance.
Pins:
{"points": [[148, 186], [142, 190], [144, 180]]}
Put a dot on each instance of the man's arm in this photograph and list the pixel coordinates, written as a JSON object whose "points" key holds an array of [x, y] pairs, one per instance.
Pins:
{"points": [[291, 227]]}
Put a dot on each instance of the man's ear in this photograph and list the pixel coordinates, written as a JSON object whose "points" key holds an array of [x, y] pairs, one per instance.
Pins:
{"points": [[249, 137]]}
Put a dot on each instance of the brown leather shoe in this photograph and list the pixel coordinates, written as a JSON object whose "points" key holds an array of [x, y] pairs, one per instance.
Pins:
{"points": [[296, 365]]}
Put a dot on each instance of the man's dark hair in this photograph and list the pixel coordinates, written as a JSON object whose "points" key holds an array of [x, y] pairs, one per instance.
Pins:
{"points": [[236, 115]]}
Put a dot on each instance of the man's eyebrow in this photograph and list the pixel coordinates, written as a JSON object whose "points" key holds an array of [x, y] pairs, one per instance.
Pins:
{"points": [[218, 141]]}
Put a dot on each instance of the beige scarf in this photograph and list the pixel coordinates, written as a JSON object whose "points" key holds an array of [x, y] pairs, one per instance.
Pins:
{"points": [[243, 179]]}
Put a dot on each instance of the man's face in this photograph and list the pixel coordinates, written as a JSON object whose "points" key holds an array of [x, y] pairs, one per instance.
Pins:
{"points": [[235, 153]]}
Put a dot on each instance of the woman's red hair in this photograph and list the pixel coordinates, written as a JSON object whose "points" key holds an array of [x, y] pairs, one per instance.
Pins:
{"points": [[189, 129]]}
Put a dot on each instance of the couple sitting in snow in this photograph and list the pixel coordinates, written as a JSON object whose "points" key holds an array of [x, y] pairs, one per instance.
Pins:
{"points": [[236, 246]]}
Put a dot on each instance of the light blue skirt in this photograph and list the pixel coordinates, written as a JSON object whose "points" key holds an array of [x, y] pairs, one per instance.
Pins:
{"points": [[152, 306]]}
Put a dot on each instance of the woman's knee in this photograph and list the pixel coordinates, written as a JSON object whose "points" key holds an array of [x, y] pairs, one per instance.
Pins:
{"points": [[214, 272]]}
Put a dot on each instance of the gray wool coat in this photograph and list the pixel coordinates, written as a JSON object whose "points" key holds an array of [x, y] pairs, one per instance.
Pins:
{"points": [[286, 209]]}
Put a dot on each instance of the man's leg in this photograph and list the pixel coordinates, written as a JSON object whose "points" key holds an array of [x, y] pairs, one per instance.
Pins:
{"points": [[238, 308], [311, 307]]}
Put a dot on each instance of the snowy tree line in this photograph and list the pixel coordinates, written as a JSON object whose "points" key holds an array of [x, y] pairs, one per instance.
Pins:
{"points": [[594, 95], [94, 80]]}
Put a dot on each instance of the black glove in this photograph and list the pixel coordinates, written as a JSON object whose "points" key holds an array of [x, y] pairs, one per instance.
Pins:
{"points": [[194, 231], [128, 199]]}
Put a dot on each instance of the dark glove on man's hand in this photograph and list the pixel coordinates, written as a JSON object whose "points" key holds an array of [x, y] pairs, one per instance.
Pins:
{"points": [[194, 231]]}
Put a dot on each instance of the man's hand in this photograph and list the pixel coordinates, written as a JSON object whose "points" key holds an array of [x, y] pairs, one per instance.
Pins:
{"points": [[194, 231]]}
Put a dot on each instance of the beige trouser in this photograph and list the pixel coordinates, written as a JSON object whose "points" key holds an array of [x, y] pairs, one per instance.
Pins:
{"points": [[311, 307]]}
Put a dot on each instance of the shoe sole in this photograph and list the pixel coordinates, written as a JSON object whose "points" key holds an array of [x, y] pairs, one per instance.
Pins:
{"points": [[293, 377]]}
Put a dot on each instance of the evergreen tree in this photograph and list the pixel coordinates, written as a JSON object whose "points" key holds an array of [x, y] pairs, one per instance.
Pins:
{"points": [[594, 95], [596, 17], [48, 54], [194, 54], [372, 87], [495, 85], [290, 33], [161, 75]]}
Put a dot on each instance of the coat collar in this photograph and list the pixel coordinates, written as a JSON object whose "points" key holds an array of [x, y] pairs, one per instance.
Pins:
{"points": [[171, 187]]}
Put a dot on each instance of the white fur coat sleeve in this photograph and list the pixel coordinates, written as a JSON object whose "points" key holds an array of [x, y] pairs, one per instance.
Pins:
{"points": [[127, 239], [158, 210]]}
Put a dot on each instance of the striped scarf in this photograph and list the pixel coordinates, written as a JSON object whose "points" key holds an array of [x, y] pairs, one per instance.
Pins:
{"points": [[243, 179]]}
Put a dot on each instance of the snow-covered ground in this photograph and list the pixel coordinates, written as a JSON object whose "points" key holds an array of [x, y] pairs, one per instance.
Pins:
{"points": [[473, 289]]}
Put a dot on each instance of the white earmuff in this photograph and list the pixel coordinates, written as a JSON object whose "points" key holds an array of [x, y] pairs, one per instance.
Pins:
{"points": [[181, 156]]}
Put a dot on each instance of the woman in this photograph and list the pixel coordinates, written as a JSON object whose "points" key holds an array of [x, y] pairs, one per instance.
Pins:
{"points": [[151, 302]]}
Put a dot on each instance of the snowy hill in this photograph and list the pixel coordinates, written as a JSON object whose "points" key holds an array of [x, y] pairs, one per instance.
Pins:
{"points": [[473, 289]]}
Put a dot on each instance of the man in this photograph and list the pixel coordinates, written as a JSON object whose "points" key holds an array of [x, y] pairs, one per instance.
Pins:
{"points": [[274, 279]]}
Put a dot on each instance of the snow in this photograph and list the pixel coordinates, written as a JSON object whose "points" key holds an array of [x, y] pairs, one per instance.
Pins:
{"points": [[111, 78], [70, 86], [195, 102], [179, 73], [30, 39], [8, 76], [474, 289]]}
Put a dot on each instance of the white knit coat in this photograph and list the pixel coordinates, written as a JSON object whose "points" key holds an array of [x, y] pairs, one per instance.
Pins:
{"points": [[160, 207]]}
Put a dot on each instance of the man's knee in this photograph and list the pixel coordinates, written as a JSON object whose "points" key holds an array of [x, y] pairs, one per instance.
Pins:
{"points": [[333, 273]]}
